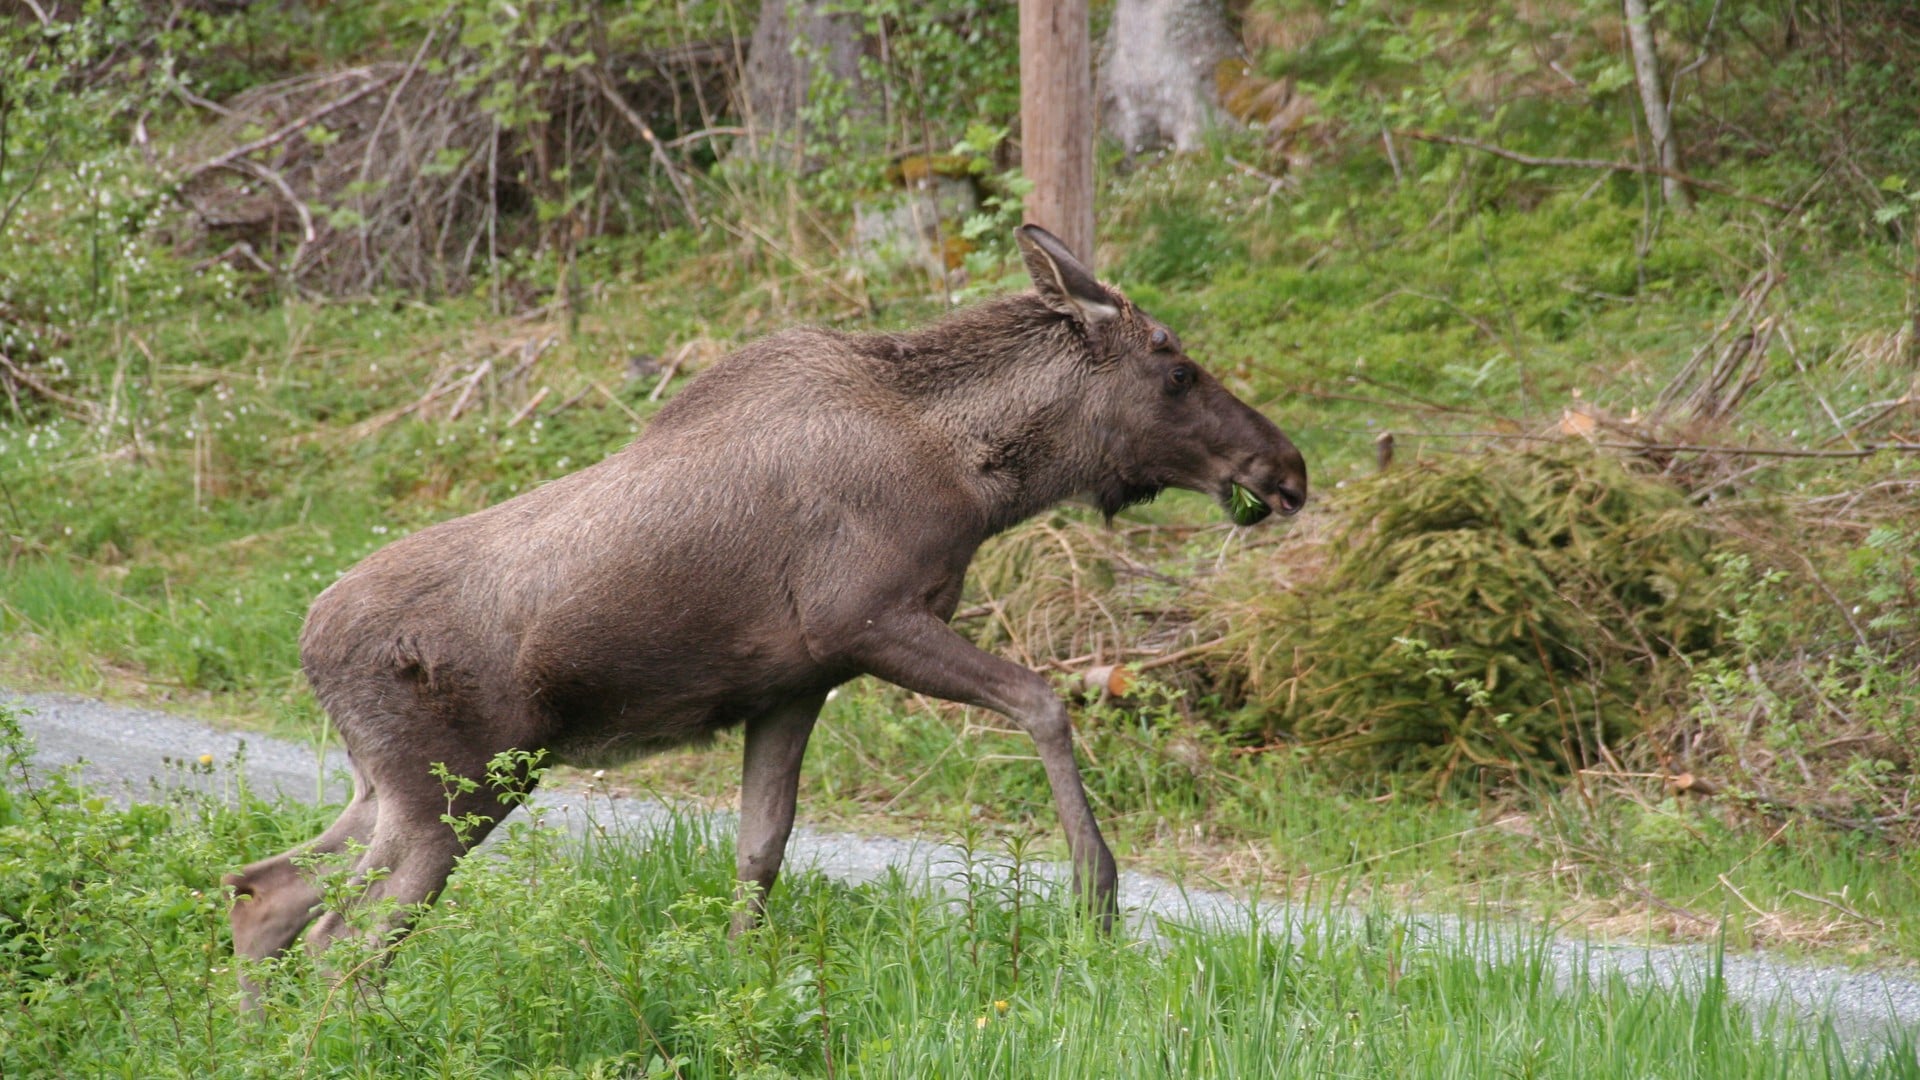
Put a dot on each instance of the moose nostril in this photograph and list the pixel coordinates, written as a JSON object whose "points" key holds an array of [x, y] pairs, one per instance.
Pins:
{"points": [[1289, 500]]}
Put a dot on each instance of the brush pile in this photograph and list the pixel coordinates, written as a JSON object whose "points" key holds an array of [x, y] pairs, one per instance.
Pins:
{"points": [[413, 175], [1483, 617], [1495, 612], [1491, 614]]}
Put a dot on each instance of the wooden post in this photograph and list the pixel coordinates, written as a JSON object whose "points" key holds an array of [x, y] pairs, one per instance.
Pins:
{"points": [[1056, 120]]}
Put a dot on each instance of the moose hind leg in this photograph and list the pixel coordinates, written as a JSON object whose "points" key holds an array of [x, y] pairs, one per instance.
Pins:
{"points": [[408, 862], [274, 899]]}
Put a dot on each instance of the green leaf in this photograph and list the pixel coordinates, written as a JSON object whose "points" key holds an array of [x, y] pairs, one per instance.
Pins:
{"points": [[1245, 507]]}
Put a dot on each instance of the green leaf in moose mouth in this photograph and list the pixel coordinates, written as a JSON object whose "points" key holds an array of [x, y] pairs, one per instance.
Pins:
{"points": [[1245, 508]]}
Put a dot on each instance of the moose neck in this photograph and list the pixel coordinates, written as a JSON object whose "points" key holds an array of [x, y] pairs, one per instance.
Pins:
{"points": [[1012, 384]]}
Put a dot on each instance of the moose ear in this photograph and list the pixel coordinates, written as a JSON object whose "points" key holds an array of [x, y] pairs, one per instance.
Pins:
{"points": [[1060, 279]]}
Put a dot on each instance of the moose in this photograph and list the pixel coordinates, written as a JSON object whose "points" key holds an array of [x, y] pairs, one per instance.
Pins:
{"points": [[801, 514]]}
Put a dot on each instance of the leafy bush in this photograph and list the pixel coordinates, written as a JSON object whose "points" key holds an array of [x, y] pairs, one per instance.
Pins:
{"points": [[1494, 613]]}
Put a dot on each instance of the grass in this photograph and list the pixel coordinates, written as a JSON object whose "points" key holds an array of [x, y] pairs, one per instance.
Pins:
{"points": [[610, 959]]}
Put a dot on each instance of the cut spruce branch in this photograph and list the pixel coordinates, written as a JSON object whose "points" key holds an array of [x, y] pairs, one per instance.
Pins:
{"points": [[1595, 163]]}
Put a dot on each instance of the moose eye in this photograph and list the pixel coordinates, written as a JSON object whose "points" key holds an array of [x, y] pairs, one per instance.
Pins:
{"points": [[1158, 339], [1180, 379]]}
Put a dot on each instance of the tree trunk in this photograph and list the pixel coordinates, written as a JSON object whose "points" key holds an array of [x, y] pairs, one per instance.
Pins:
{"points": [[790, 39], [1653, 100], [1056, 120], [1159, 72]]}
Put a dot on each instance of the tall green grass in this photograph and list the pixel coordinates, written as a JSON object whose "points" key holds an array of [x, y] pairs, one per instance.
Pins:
{"points": [[609, 957]]}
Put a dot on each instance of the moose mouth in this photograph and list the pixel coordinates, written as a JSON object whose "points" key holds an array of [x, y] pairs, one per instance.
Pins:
{"points": [[1246, 508]]}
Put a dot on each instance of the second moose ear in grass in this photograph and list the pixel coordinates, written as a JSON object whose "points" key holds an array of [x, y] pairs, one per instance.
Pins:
{"points": [[801, 514]]}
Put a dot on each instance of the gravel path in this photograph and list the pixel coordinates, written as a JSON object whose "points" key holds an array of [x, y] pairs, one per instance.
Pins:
{"points": [[127, 750]]}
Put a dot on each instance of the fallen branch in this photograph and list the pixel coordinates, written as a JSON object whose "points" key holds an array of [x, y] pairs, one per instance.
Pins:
{"points": [[23, 377], [534, 403], [1864, 450], [1596, 163], [472, 387]]}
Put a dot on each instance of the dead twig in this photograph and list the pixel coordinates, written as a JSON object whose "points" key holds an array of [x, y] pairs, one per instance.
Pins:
{"points": [[621, 405], [374, 423], [386, 111], [279, 183], [472, 387], [17, 373], [1885, 409], [747, 231], [1711, 399], [704, 133], [1183, 654], [672, 369], [1865, 450], [1837, 906], [532, 404], [530, 353], [607, 90]]}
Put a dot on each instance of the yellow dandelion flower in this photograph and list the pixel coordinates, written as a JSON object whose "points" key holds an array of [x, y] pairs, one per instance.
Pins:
{"points": [[1001, 1007], [980, 1022], [206, 759]]}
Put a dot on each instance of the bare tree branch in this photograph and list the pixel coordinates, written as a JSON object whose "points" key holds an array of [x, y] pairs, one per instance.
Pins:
{"points": [[288, 130], [1595, 163], [607, 90]]}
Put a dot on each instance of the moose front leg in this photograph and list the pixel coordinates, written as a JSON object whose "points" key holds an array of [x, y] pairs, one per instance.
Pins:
{"points": [[921, 653], [769, 783]]}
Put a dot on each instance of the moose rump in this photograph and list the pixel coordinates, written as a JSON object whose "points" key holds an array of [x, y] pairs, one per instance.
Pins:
{"points": [[801, 514]]}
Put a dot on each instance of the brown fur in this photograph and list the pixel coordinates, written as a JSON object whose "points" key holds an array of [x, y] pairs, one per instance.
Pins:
{"points": [[801, 514]]}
